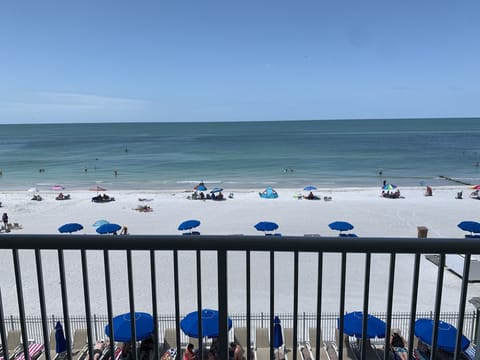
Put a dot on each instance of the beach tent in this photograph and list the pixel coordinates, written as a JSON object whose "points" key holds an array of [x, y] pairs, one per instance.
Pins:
{"points": [[269, 193]]}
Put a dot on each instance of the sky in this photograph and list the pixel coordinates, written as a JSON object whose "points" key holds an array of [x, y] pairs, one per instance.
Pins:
{"points": [[262, 60]]}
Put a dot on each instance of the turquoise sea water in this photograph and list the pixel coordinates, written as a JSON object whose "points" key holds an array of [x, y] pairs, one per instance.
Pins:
{"points": [[240, 155]]}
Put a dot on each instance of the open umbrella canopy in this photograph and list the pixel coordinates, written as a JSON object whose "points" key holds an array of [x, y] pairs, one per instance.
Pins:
{"points": [[189, 323], [60, 341], [277, 333], [309, 188], [58, 187], [353, 325], [447, 334], [476, 187], [70, 228], [200, 187], [389, 187], [340, 226], [215, 190], [33, 189], [266, 226], [100, 223], [122, 327], [108, 228], [188, 225], [471, 226]]}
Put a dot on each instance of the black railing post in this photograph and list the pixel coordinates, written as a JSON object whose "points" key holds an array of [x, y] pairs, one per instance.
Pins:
{"points": [[86, 296], [199, 302], [319, 305], [176, 290], [391, 281], [222, 305], [131, 299], [21, 304], [43, 308], [66, 314], [3, 331], [249, 309], [154, 303]]}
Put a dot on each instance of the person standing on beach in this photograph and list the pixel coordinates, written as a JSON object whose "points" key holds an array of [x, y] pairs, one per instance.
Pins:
{"points": [[5, 222]]}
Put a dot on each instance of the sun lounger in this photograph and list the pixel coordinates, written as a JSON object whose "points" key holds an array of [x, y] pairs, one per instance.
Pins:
{"points": [[289, 344], [312, 334], [79, 341], [348, 353], [34, 351]]}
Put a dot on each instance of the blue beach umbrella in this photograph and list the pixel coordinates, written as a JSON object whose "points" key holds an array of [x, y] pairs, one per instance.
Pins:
{"points": [[266, 226], [122, 327], [100, 223], [447, 334], [70, 228], [353, 323], [201, 187], [277, 333], [108, 228], [215, 190], [309, 188], [340, 226], [60, 341], [189, 323], [188, 225], [471, 226]]}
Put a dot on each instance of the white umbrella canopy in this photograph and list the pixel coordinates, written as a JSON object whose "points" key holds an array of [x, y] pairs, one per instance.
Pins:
{"points": [[33, 190]]}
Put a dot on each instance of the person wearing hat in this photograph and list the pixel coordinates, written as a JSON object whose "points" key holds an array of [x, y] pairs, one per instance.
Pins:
{"points": [[399, 344]]}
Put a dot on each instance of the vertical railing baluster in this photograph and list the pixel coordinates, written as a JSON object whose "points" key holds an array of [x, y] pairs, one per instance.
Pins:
{"points": [[318, 334], [176, 290], [413, 304], [131, 298], [249, 308], [366, 293], [461, 307], [66, 314], [43, 307], [295, 304], [438, 304], [391, 282], [222, 305], [199, 302], [108, 292], [21, 303], [86, 296], [3, 330], [153, 276], [272, 300], [342, 305]]}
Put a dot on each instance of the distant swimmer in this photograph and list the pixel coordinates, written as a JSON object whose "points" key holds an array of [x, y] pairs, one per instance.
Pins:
{"points": [[85, 169], [126, 149], [115, 172], [380, 173]]}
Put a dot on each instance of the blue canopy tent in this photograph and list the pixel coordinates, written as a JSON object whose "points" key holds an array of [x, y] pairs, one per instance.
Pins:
{"points": [[269, 193], [342, 226], [266, 227], [189, 324]]}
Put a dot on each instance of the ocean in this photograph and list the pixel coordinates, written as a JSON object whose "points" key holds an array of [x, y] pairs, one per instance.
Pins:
{"points": [[327, 153]]}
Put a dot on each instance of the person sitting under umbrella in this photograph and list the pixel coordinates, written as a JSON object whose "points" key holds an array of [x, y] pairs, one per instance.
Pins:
{"points": [[189, 353], [399, 345]]}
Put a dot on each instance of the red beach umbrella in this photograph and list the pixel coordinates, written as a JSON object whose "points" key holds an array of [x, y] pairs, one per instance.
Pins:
{"points": [[476, 187], [97, 188]]}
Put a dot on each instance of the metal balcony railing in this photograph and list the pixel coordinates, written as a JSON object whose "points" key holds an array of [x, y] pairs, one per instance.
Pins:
{"points": [[12, 246]]}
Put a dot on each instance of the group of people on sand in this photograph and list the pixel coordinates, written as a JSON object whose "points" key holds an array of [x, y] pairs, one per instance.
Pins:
{"points": [[212, 196], [102, 198], [101, 350]]}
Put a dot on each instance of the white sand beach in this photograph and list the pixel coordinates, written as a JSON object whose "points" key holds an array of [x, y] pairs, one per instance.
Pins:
{"points": [[372, 216]]}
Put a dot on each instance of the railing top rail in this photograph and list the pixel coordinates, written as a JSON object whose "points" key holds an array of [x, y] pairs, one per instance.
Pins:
{"points": [[242, 243]]}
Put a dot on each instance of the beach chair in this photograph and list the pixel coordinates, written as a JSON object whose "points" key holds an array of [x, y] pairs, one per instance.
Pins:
{"points": [[240, 337], [262, 344], [79, 340], [34, 351], [348, 353], [289, 343], [312, 334]]}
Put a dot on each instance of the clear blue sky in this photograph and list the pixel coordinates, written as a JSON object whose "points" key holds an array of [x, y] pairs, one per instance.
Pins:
{"points": [[169, 60]]}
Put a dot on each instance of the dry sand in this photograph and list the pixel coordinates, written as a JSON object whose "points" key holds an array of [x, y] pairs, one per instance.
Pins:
{"points": [[372, 215]]}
